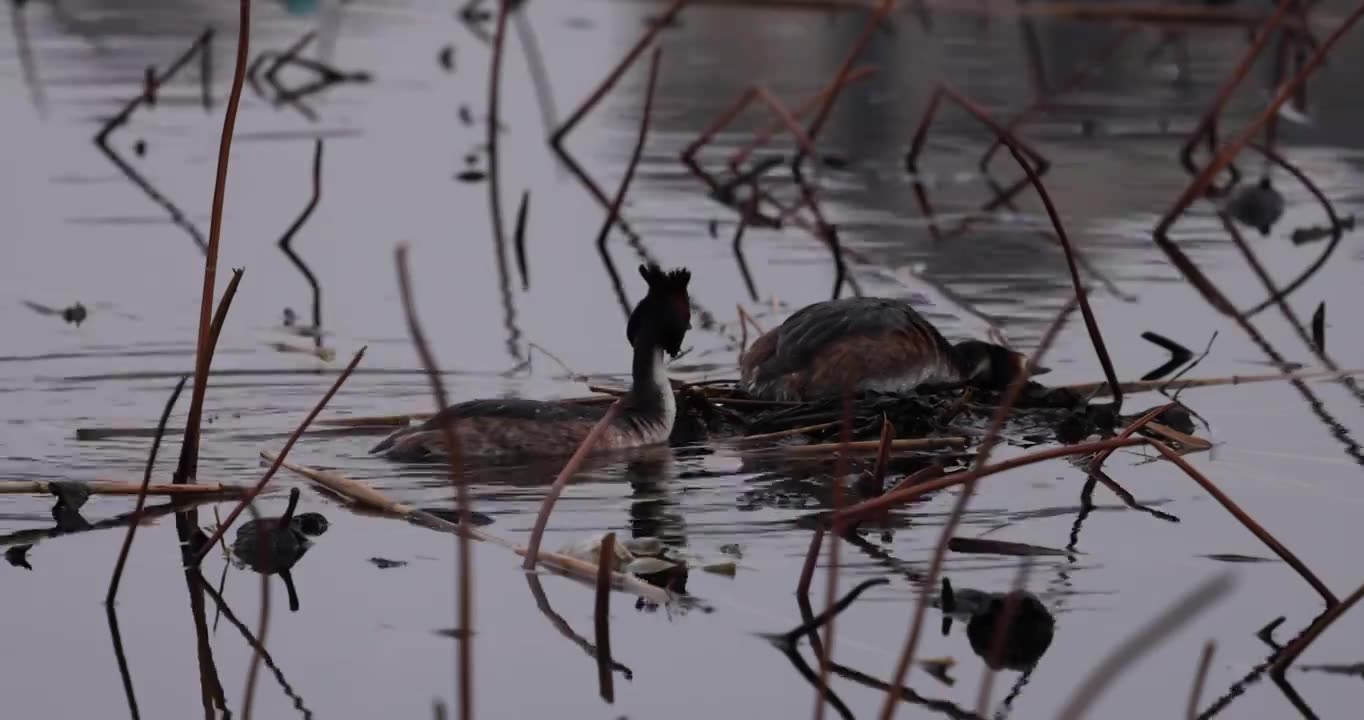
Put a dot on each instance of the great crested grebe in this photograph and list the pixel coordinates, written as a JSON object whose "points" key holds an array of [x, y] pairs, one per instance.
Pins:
{"points": [[868, 345], [520, 427]]}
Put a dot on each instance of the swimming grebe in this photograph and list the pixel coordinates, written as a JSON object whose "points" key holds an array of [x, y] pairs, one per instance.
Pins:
{"points": [[539, 428], [868, 345]]}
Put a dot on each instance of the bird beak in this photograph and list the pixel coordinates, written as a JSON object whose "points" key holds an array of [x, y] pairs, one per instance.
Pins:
{"points": [[1038, 370]]}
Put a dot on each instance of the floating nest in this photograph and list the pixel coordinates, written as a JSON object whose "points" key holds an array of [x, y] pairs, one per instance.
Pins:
{"points": [[1041, 415]]}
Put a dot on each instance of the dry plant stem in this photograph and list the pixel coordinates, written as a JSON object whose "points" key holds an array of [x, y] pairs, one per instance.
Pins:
{"points": [[602, 616], [807, 570], [1200, 677], [284, 452], [1100, 389], [907, 492], [917, 477], [1269, 540], [1224, 157], [835, 535], [883, 452], [1001, 414], [762, 437], [878, 16], [189, 455], [1096, 62], [614, 76], [1139, 643], [761, 137], [1208, 124], [1091, 323], [1296, 648], [874, 446], [367, 498], [1098, 462], [455, 455], [494, 91], [560, 482], [115, 487], [142, 493], [214, 331], [1337, 229]]}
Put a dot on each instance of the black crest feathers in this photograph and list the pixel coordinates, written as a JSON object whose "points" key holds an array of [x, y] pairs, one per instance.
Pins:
{"points": [[664, 282]]}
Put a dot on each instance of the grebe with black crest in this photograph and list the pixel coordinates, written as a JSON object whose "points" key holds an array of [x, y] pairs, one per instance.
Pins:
{"points": [[522, 427]]}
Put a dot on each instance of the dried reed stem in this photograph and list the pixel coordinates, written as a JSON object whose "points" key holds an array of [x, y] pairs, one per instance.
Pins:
{"points": [[1199, 185], [115, 487], [1091, 323], [875, 446], [560, 482], [1139, 643], [1133, 387], [284, 452], [1318, 626], [761, 137], [1250, 524], [203, 353], [617, 72], [907, 492], [1097, 463], [1200, 677], [1001, 414], [368, 498], [455, 455], [606, 557], [142, 493], [877, 16]]}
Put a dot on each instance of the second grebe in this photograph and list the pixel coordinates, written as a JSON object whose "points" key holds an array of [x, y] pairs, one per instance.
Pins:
{"points": [[540, 428], [868, 345]]}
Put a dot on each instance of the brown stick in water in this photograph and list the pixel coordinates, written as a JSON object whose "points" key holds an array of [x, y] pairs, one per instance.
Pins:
{"points": [[1001, 415], [455, 455], [288, 445], [606, 557], [203, 353]]}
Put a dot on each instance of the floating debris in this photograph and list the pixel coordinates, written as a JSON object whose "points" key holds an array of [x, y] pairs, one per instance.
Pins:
{"points": [[1237, 558], [18, 556], [1003, 547], [1259, 206], [446, 58], [74, 314]]}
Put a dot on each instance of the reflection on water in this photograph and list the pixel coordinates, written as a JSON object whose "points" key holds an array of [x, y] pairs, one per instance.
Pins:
{"points": [[397, 93]]}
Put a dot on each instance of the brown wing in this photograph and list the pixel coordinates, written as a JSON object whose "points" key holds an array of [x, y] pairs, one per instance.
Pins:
{"points": [[829, 346]]}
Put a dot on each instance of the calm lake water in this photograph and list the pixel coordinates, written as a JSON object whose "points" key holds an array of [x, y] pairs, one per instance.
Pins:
{"points": [[366, 641]]}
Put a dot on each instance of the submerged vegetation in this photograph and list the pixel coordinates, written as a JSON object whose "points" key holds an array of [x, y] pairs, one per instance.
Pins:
{"points": [[844, 473]]}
